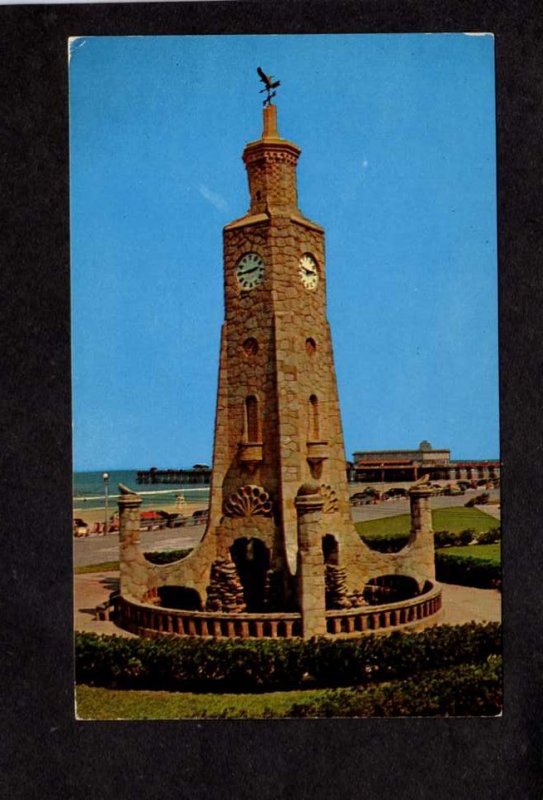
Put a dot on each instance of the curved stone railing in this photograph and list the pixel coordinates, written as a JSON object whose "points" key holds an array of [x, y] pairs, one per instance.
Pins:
{"points": [[144, 619], [388, 615]]}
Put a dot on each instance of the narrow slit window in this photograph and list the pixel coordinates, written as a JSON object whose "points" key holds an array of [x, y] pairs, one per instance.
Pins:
{"points": [[251, 412], [313, 418]]}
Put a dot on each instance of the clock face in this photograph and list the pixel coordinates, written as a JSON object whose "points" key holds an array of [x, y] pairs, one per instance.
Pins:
{"points": [[249, 271], [309, 271]]}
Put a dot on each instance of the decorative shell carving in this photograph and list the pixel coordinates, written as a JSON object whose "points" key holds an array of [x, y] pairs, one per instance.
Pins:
{"points": [[330, 500], [248, 501]]}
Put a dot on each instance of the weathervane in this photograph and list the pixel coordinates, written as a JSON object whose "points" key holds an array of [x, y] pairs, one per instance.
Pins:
{"points": [[269, 86]]}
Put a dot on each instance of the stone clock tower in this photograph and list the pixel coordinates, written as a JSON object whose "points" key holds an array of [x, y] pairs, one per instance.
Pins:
{"points": [[280, 536], [278, 423]]}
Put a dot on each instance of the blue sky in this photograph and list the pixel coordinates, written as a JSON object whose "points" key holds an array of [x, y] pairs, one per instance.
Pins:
{"points": [[398, 164]]}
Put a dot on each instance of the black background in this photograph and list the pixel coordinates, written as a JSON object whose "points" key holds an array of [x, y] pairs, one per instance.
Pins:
{"points": [[44, 751]]}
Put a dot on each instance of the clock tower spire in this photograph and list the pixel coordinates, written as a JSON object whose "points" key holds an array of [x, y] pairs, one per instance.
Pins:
{"points": [[277, 423], [280, 547]]}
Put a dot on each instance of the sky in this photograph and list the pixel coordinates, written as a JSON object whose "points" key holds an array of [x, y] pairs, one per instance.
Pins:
{"points": [[398, 164]]}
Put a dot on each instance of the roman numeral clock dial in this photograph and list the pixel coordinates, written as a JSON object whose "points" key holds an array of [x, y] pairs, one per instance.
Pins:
{"points": [[249, 271]]}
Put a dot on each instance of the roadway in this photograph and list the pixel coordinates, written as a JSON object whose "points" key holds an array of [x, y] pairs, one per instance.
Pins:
{"points": [[99, 549]]}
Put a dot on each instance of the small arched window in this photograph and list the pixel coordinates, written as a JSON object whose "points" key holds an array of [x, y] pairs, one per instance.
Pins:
{"points": [[314, 428], [251, 419]]}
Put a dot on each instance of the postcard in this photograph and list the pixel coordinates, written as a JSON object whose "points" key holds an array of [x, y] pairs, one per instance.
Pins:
{"points": [[285, 376]]}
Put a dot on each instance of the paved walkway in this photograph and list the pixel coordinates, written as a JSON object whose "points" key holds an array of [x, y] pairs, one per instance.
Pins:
{"points": [[491, 509], [90, 590], [460, 603], [466, 604], [99, 549]]}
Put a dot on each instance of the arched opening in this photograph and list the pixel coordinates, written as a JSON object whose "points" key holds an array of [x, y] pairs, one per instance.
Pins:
{"points": [[179, 597], [390, 589], [252, 560], [252, 427], [314, 427], [330, 549]]}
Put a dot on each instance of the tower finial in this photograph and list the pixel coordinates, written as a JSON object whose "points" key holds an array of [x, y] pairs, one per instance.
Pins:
{"points": [[270, 122], [269, 86]]}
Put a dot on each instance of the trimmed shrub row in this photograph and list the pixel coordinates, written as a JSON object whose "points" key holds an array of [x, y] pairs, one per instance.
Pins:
{"points": [[479, 500], [489, 537], [467, 571], [166, 556], [386, 544], [392, 544], [237, 665], [465, 690], [446, 538]]}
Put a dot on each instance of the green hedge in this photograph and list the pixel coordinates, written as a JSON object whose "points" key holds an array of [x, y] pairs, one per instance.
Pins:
{"points": [[392, 543], [489, 537], [465, 690], [467, 571], [386, 544], [479, 500], [398, 655], [444, 538], [237, 665], [166, 556]]}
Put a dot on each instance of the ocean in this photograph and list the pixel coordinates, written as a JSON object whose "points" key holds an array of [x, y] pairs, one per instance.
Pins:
{"points": [[88, 489]]}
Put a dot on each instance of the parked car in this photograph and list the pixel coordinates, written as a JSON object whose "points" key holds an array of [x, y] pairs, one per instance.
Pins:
{"points": [[80, 527], [452, 490], [152, 520], [179, 522], [363, 498], [395, 491], [199, 516]]}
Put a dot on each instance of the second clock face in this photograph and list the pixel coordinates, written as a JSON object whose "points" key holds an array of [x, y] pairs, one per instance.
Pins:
{"points": [[309, 271], [249, 271]]}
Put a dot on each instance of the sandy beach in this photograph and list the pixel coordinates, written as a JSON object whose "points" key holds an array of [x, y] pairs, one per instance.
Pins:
{"points": [[92, 515]]}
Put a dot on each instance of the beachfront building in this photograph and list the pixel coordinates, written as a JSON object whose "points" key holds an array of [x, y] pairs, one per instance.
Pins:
{"points": [[389, 466], [280, 555]]}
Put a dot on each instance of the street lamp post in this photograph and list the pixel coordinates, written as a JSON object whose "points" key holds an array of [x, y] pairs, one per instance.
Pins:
{"points": [[105, 478]]}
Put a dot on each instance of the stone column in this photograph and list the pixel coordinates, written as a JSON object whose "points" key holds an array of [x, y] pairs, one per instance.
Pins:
{"points": [[310, 561], [422, 534], [133, 580]]}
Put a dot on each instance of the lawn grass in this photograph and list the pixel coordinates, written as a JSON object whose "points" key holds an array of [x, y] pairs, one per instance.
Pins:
{"points": [[105, 566], [480, 552], [454, 519], [98, 703]]}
